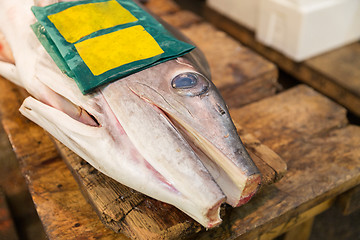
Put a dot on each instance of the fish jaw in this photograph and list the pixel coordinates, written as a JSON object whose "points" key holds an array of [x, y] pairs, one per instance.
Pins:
{"points": [[224, 155], [205, 122], [161, 144], [107, 146], [120, 160]]}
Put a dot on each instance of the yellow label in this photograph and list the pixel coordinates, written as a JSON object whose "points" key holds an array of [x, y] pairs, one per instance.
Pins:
{"points": [[115, 49], [81, 20]]}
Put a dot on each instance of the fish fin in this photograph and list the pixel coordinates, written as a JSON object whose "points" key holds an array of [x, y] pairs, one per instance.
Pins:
{"points": [[9, 71], [57, 123]]}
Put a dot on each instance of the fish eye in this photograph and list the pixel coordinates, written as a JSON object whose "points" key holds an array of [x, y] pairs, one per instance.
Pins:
{"points": [[190, 84]]}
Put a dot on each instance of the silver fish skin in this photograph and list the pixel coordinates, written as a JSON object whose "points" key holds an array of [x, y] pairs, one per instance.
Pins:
{"points": [[164, 131]]}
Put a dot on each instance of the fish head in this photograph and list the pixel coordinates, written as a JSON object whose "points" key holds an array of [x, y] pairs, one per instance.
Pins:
{"points": [[181, 90]]}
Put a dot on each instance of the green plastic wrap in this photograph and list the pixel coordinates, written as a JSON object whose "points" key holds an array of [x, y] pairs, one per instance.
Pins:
{"points": [[96, 42]]}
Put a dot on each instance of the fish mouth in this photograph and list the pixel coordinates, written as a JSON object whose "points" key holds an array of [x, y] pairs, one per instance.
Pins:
{"points": [[213, 212], [201, 204], [210, 154], [238, 186]]}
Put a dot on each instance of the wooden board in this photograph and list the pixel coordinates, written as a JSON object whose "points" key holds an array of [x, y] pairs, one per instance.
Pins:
{"points": [[349, 202], [342, 66], [7, 228], [311, 134], [14, 187], [335, 74], [125, 210]]}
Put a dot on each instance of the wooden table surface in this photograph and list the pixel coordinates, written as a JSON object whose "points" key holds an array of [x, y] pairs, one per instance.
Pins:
{"points": [[306, 129], [7, 227]]}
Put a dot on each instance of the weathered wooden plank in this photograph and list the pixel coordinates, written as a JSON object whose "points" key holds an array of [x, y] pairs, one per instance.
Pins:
{"points": [[299, 227], [305, 129], [271, 165], [342, 66], [182, 19], [162, 7], [16, 191], [335, 74], [7, 228], [118, 206], [349, 202], [268, 157], [125, 210], [301, 231], [297, 113]]}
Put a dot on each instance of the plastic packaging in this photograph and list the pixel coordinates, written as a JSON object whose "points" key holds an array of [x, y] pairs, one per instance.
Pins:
{"points": [[99, 41]]}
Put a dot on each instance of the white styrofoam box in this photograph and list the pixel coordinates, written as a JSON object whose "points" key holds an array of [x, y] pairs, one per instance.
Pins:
{"points": [[302, 28], [242, 11]]}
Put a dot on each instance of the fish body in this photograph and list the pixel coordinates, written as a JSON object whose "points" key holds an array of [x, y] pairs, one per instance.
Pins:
{"points": [[164, 131]]}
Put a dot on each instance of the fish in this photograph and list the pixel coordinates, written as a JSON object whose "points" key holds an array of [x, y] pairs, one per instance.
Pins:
{"points": [[164, 131]]}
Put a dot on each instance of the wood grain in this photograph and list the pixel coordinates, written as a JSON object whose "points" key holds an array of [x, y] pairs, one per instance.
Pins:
{"points": [[301, 231], [349, 202], [125, 210], [294, 114], [341, 65], [322, 153], [162, 7], [7, 227]]}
